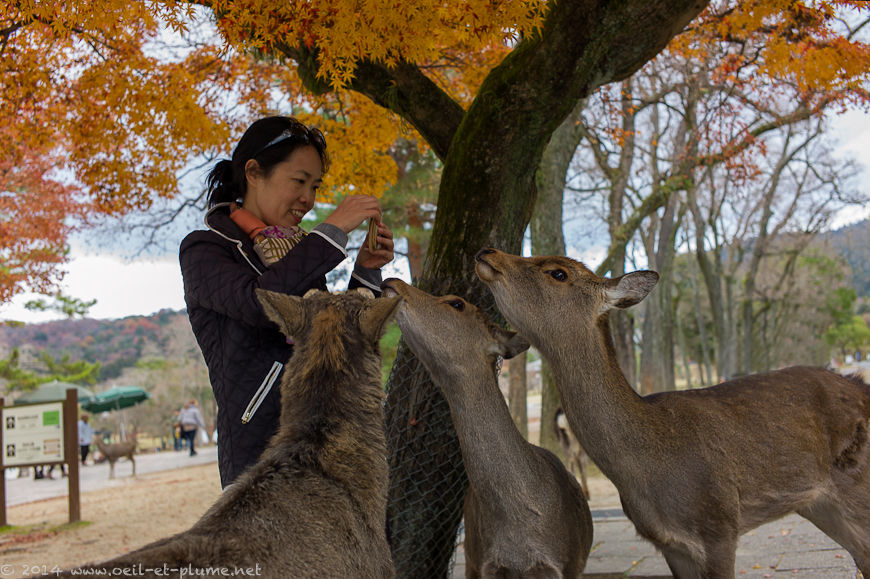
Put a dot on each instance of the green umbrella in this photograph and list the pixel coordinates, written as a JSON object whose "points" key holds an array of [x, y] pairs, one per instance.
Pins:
{"points": [[116, 398], [53, 391]]}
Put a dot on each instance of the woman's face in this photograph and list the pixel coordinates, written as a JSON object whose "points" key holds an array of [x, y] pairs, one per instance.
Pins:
{"points": [[287, 193]]}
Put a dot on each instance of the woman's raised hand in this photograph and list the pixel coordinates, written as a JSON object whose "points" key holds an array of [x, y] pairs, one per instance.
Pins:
{"points": [[353, 210]]}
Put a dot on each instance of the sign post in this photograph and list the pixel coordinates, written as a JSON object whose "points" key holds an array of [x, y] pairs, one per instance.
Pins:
{"points": [[71, 450], [41, 434]]}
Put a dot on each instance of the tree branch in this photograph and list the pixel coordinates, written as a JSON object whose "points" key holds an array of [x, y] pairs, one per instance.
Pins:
{"points": [[403, 89]]}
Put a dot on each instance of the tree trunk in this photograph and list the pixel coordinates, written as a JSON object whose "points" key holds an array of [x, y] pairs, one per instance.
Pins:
{"points": [[704, 350], [657, 351], [549, 239], [684, 353], [518, 393], [485, 199]]}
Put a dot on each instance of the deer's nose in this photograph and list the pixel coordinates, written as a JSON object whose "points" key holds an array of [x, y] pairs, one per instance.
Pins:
{"points": [[482, 252]]}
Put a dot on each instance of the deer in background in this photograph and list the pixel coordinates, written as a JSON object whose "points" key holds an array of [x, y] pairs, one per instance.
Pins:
{"points": [[574, 454], [117, 450], [315, 503], [695, 469], [525, 515]]}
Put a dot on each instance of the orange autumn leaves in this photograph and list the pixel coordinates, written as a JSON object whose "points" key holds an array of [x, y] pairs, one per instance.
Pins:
{"points": [[104, 103]]}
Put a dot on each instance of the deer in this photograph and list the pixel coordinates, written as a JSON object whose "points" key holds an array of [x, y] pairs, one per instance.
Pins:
{"points": [[525, 515], [575, 456], [695, 469], [315, 503], [116, 450]]}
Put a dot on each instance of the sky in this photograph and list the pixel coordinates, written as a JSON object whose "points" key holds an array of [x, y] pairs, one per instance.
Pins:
{"points": [[125, 287]]}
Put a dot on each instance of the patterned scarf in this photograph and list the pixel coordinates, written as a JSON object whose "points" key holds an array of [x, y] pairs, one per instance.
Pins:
{"points": [[271, 243]]}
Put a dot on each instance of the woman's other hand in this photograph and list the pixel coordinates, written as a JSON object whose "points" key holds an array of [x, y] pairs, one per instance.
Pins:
{"points": [[380, 256]]}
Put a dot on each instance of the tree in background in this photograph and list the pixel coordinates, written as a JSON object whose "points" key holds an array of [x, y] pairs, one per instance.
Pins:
{"points": [[45, 367], [19, 379], [699, 132], [849, 332], [37, 217], [68, 306]]}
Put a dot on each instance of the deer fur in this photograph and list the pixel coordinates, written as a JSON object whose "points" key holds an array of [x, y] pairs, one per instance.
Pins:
{"points": [[525, 515], [117, 450], [695, 469], [575, 456], [314, 505]]}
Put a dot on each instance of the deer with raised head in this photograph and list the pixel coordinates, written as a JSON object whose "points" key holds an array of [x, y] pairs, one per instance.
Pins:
{"points": [[695, 469], [575, 456], [116, 450], [315, 503], [525, 515]]}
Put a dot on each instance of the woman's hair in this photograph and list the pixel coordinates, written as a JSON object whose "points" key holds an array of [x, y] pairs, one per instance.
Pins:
{"points": [[269, 141]]}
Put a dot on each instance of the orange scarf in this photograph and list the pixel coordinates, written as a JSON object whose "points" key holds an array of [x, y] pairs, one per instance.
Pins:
{"points": [[271, 243]]}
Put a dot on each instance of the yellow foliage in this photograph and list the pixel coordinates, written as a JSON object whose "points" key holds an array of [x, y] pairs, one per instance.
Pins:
{"points": [[387, 31]]}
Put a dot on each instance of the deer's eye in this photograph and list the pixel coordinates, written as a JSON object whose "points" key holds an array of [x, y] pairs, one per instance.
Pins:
{"points": [[457, 305], [558, 274]]}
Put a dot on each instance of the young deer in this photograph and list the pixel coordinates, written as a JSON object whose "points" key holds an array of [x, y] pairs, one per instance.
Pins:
{"points": [[525, 515], [117, 450], [574, 453], [695, 469], [314, 505]]}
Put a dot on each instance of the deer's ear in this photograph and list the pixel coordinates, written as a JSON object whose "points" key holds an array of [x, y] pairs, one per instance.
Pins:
{"points": [[378, 312], [630, 289], [508, 344], [287, 311]]}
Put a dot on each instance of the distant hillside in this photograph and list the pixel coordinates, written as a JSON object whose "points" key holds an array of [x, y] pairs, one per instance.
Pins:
{"points": [[157, 353], [116, 344], [853, 243]]}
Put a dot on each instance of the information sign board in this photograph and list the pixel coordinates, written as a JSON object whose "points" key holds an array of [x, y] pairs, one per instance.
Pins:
{"points": [[32, 434]]}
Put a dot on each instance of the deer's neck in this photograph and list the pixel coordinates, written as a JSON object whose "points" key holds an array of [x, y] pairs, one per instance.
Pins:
{"points": [[495, 454], [333, 419], [605, 413]]}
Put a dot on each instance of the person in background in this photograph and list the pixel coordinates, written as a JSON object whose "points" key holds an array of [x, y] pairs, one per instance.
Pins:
{"points": [[256, 202], [190, 419], [86, 435], [176, 431]]}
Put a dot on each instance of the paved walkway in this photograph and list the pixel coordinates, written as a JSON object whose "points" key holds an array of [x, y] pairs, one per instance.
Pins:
{"points": [[790, 547], [93, 477]]}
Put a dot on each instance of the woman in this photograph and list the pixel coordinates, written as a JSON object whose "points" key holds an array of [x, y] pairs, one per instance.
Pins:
{"points": [[256, 202]]}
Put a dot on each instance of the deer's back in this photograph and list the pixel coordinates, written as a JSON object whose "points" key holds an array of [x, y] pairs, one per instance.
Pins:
{"points": [[806, 400], [767, 442], [294, 510]]}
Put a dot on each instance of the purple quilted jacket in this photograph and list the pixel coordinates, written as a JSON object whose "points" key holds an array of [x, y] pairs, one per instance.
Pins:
{"points": [[243, 350]]}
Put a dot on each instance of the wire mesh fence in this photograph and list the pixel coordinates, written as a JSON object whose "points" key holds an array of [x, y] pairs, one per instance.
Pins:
{"points": [[427, 476]]}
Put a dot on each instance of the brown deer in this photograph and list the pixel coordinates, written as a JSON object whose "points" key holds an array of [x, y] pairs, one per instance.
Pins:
{"points": [[695, 469], [117, 450], [314, 505], [525, 515], [575, 456]]}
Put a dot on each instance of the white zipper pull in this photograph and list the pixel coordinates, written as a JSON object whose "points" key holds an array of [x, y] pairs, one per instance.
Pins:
{"points": [[261, 392]]}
